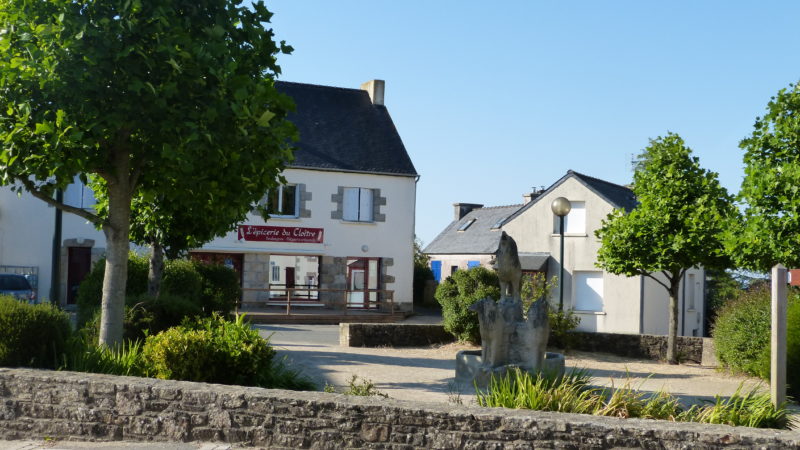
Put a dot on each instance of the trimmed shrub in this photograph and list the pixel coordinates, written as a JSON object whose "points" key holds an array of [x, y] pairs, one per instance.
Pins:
{"points": [[32, 335], [210, 350], [457, 293], [742, 336], [145, 315], [182, 278], [221, 288], [742, 332]]}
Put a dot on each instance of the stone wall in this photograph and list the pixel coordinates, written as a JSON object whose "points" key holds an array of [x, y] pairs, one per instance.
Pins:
{"points": [[642, 346], [391, 334], [68, 405]]}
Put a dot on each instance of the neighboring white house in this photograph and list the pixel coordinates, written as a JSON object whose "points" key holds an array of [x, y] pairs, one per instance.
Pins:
{"points": [[344, 221], [604, 302]]}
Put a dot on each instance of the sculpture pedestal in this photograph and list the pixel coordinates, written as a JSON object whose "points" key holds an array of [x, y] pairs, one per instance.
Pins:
{"points": [[470, 370]]}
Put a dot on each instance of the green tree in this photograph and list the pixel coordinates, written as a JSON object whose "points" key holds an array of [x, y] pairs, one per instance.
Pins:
{"points": [[770, 231], [458, 292], [136, 95], [677, 224]]}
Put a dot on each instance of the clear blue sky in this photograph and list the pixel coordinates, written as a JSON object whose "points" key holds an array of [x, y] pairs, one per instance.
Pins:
{"points": [[492, 98]]}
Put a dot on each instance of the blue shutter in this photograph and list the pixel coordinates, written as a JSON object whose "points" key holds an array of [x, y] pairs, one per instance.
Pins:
{"points": [[471, 264], [436, 268]]}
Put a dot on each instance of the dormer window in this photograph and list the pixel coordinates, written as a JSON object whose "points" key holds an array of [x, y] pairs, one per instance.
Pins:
{"points": [[466, 225]]}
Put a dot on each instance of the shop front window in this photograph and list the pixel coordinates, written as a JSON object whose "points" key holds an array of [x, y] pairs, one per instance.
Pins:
{"points": [[295, 273]]}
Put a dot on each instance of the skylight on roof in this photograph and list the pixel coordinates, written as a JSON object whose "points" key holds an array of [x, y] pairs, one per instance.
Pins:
{"points": [[498, 224], [466, 225]]}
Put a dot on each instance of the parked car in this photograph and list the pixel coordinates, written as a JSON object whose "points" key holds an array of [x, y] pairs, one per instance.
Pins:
{"points": [[17, 286]]}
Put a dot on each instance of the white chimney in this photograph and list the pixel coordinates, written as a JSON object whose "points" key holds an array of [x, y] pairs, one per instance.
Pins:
{"points": [[375, 90]]}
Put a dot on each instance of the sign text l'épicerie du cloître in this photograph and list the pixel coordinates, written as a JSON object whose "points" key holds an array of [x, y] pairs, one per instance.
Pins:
{"points": [[299, 235]]}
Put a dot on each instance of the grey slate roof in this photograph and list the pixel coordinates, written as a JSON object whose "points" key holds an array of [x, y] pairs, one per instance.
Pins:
{"points": [[341, 129], [616, 195], [533, 261], [479, 238]]}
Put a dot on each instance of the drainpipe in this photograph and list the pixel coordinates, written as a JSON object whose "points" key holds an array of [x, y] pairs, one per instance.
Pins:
{"points": [[55, 266]]}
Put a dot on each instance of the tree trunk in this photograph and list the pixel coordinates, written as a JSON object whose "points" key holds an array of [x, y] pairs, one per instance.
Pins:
{"points": [[116, 229], [672, 333], [156, 271]]}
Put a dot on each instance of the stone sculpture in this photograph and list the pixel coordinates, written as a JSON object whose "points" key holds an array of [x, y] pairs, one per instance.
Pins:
{"points": [[509, 339]]}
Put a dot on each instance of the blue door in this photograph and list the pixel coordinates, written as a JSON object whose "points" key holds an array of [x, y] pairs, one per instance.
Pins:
{"points": [[436, 268]]}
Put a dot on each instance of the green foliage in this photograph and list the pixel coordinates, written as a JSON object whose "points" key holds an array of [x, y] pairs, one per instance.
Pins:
{"points": [[165, 108], [90, 291], [83, 355], [457, 293], [189, 288], [32, 335], [742, 332], [678, 223], [181, 277], [221, 287], [422, 274], [535, 286], [211, 350], [363, 388], [561, 323], [145, 315], [770, 232], [571, 393], [722, 287], [753, 409], [742, 335]]}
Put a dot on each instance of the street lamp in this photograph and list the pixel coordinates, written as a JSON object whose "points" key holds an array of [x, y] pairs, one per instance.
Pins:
{"points": [[561, 207]]}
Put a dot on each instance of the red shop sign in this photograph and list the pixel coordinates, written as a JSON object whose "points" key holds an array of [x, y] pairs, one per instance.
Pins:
{"points": [[300, 235]]}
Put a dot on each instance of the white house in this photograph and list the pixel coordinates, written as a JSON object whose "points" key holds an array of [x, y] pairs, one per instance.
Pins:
{"points": [[604, 302], [343, 225]]}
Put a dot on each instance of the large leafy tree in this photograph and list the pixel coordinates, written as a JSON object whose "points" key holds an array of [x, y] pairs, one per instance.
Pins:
{"points": [[141, 97], [770, 231], [677, 224]]}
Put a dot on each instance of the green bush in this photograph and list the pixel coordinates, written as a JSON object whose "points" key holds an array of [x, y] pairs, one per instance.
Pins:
{"points": [[209, 287], [32, 335], [182, 278], [210, 350], [221, 288], [90, 292], [145, 315], [742, 336], [457, 293], [742, 332]]}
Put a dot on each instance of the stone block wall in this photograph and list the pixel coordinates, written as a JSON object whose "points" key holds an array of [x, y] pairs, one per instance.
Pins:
{"points": [[643, 346], [391, 334], [256, 276], [38, 404]]}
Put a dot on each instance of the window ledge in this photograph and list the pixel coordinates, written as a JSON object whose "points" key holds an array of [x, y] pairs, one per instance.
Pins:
{"points": [[291, 218], [589, 313], [356, 222], [566, 235]]}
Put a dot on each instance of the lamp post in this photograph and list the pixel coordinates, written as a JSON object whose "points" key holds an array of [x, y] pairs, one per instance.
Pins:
{"points": [[561, 207]]}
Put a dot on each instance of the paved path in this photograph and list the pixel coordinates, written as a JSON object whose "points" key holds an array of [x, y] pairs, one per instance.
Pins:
{"points": [[427, 373]]}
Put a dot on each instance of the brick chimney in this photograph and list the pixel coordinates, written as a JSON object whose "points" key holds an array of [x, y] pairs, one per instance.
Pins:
{"points": [[375, 89], [462, 209]]}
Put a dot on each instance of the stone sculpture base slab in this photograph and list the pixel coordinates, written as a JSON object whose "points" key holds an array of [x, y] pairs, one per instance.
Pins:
{"points": [[470, 370]]}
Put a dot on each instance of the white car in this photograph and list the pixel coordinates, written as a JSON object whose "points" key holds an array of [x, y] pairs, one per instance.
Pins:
{"points": [[17, 286]]}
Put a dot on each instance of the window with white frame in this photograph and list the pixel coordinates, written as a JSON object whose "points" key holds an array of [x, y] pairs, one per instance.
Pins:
{"points": [[574, 222], [589, 291], [283, 201], [357, 205], [79, 195]]}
